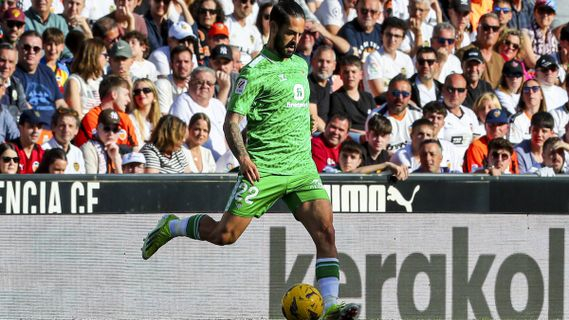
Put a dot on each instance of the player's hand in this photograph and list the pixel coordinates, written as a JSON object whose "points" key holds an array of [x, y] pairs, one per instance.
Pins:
{"points": [[249, 170]]}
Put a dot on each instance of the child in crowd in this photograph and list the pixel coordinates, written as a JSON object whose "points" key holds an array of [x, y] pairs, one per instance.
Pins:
{"points": [[53, 44]]}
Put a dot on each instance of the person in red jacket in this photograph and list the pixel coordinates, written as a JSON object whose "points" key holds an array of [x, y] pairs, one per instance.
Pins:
{"points": [[326, 147]]}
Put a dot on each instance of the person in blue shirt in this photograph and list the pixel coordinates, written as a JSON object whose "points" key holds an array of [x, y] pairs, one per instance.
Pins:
{"points": [[530, 151]]}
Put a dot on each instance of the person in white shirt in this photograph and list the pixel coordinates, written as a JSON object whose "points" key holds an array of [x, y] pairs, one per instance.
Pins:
{"points": [[65, 126], [547, 74], [460, 120], [443, 41], [177, 83], [140, 68], [200, 159], [400, 113], [243, 33], [531, 102], [420, 30], [333, 14], [199, 98], [561, 116], [384, 64]]}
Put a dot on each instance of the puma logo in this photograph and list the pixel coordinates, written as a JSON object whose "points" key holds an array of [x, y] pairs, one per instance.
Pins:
{"points": [[394, 195]]}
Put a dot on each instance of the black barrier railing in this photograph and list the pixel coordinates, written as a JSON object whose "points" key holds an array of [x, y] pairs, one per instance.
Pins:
{"points": [[100, 194]]}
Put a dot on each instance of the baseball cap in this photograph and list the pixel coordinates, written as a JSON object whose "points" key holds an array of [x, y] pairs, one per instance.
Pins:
{"points": [[14, 14], [180, 30], [109, 117], [32, 117], [473, 54], [217, 29], [551, 4], [222, 51], [497, 116], [121, 49], [133, 157], [546, 61], [460, 5], [513, 68]]}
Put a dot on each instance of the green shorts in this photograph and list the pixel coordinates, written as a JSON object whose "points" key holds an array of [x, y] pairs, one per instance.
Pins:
{"points": [[248, 200]]}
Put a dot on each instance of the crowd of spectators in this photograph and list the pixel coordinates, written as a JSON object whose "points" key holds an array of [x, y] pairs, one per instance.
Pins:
{"points": [[406, 86]]}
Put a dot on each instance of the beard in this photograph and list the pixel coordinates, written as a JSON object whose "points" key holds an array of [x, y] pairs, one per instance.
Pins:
{"points": [[284, 50]]}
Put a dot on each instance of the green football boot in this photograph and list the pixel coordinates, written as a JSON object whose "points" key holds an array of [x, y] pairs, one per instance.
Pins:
{"points": [[342, 311], [158, 237]]}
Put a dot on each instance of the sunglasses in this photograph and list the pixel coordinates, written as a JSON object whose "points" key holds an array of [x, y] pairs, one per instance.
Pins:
{"points": [[365, 11], [498, 10], [113, 129], [500, 155], [513, 75], [8, 159], [533, 89], [487, 28], [444, 41], [509, 43], [12, 24], [200, 83], [550, 69], [29, 48], [245, 1], [398, 93], [137, 92], [210, 11], [452, 90], [430, 62]]}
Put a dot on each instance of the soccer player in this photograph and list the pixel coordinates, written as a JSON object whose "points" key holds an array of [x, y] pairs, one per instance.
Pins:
{"points": [[272, 91]]}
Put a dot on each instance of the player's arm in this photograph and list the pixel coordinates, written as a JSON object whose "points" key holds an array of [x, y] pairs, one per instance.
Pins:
{"points": [[237, 145]]}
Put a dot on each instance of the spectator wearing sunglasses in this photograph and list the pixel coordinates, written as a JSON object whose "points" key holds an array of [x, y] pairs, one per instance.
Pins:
{"points": [[65, 126], [400, 112], [424, 87], [115, 94], [443, 41], [530, 151], [513, 45], [486, 39], [364, 32], [548, 74], [101, 152], [540, 32], [474, 67], [38, 80], [29, 151], [503, 9], [9, 159], [13, 25], [499, 160], [146, 109], [242, 32], [460, 121], [531, 102]]}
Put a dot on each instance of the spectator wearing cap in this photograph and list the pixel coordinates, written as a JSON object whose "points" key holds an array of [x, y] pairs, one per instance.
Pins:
{"points": [[540, 32], [115, 94], [157, 23], [221, 61], [486, 39], [547, 74], [199, 99], [424, 87], [530, 151], [522, 14], [443, 41], [13, 25], [384, 64], [133, 162], [141, 68], [8, 128], [39, 18], [499, 160], [180, 33], [243, 33], [509, 88], [497, 126], [474, 67], [65, 126], [460, 121], [120, 60], [126, 19], [14, 98], [561, 115], [217, 34], [29, 151], [37, 79], [101, 151], [531, 102], [174, 85], [459, 16]]}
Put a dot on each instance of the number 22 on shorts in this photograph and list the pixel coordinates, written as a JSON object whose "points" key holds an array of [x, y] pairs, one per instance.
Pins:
{"points": [[245, 194]]}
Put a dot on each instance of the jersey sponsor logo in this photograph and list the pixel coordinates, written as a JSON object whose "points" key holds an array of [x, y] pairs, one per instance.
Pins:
{"points": [[240, 86], [298, 92]]}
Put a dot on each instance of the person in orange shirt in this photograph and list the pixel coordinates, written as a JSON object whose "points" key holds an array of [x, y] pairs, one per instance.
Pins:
{"points": [[115, 94], [478, 9], [496, 127]]}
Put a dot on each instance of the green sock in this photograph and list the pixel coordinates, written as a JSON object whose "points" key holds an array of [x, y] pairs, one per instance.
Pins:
{"points": [[193, 229]]}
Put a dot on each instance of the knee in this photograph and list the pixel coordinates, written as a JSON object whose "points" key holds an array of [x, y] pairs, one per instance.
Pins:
{"points": [[327, 234]]}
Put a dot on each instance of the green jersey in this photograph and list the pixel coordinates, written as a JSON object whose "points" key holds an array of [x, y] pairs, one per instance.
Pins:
{"points": [[273, 94]]}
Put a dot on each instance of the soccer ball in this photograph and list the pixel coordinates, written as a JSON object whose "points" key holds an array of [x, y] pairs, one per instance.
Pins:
{"points": [[302, 302]]}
